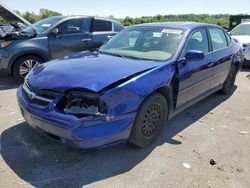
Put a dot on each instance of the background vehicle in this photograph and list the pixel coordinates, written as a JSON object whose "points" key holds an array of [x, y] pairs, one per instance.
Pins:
{"points": [[242, 34], [6, 28], [51, 38], [128, 90], [235, 20]]}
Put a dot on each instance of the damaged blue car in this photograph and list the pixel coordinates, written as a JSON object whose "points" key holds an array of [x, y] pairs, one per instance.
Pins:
{"points": [[131, 86]]}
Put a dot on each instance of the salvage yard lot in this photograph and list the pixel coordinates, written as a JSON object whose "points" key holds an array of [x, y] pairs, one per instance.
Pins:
{"points": [[216, 128]]}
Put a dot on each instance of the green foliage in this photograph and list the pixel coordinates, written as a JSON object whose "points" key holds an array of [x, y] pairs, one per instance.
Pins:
{"points": [[45, 13], [33, 17], [220, 19], [2, 21]]}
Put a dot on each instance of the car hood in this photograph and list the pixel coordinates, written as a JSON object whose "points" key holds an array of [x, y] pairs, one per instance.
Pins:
{"points": [[242, 39], [87, 70], [10, 16]]}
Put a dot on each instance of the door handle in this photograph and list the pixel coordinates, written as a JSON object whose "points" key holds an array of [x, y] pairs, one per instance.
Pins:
{"points": [[86, 40], [109, 36], [210, 64]]}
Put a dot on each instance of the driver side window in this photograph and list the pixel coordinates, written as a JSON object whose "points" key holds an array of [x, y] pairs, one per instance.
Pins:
{"points": [[198, 41], [71, 27]]}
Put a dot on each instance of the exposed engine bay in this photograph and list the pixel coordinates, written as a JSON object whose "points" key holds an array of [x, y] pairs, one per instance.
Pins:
{"points": [[82, 104]]}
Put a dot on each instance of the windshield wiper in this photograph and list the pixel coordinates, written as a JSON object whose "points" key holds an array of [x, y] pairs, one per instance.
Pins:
{"points": [[118, 55], [109, 53]]}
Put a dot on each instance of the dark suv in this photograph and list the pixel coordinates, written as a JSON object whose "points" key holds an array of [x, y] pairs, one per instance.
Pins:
{"points": [[50, 38]]}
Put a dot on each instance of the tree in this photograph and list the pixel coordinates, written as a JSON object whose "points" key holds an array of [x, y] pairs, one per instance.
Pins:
{"points": [[111, 17], [2, 21], [45, 13], [31, 17], [221, 19]]}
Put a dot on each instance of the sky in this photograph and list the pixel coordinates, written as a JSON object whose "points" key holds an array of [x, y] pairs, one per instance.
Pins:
{"points": [[131, 8]]}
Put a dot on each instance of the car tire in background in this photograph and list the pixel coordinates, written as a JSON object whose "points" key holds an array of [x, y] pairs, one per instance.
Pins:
{"points": [[151, 118], [229, 82], [23, 65]]}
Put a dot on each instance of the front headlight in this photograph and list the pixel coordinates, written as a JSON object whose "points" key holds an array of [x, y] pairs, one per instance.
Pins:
{"points": [[82, 104], [5, 44]]}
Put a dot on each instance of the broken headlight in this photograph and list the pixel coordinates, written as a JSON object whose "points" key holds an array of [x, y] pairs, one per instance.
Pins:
{"points": [[82, 104]]}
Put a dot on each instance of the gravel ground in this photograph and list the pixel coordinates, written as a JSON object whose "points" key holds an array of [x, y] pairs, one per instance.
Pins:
{"points": [[217, 128]]}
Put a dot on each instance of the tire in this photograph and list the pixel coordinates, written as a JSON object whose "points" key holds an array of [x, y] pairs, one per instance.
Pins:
{"points": [[229, 82], [23, 65], [151, 118]]}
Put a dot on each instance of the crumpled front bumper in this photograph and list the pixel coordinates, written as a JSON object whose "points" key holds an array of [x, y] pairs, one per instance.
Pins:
{"points": [[84, 133]]}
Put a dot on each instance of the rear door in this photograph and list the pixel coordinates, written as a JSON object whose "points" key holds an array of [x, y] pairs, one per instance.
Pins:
{"points": [[195, 76], [73, 37], [222, 55], [103, 30]]}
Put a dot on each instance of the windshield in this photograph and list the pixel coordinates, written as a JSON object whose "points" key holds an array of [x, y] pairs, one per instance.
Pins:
{"points": [[243, 29], [42, 25], [149, 42]]}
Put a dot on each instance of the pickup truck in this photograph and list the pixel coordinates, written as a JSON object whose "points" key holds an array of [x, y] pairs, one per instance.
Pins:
{"points": [[130, 88], [50, 38]]}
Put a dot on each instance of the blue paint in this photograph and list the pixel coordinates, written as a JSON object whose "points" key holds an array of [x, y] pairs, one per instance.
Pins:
{"points": [[94, 72]]}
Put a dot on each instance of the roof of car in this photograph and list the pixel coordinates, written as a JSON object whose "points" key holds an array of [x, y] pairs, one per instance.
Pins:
{"points": [[245, 23], [84, 16], [180, 25]]}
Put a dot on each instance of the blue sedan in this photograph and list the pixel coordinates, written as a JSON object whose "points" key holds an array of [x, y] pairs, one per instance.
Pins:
{"points": [[132, 86]]}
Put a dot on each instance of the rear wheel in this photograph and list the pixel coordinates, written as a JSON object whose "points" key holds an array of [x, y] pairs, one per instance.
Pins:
{"points": [[23, 65], [151, 118], [229, 83]]}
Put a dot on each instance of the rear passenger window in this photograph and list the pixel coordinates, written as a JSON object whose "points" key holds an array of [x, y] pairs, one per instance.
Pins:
{"points": [[218, 38], [198, 41], [102, 25]]}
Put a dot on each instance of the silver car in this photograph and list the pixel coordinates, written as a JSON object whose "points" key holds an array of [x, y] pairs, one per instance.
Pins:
{"points": [[242, 34]]}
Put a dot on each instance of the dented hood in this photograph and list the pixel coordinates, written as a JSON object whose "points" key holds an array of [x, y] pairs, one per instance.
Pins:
{"points": [[11, 17], [87, 70]]}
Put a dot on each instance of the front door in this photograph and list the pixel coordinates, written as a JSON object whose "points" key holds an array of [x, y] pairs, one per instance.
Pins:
{"points": [[195, 76], [73, 37]]}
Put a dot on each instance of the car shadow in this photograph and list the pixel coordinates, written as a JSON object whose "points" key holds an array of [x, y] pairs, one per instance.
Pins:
{"points": [[42, 162], [7, 82]]}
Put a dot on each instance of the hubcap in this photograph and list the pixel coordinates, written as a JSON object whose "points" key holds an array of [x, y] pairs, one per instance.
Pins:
{"points": [[151, 120], [26, 66]]}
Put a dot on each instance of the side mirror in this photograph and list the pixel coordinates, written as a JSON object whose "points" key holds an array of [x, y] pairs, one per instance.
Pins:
{"points": [[194, 55], [55, 32]]}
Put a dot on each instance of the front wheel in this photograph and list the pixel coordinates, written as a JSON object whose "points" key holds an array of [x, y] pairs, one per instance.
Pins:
{"points": [[229, 83], [23, 65], [151, 118]]}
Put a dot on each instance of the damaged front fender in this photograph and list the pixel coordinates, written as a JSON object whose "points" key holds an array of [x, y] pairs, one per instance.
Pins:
{"points": [[128, 96], [121, 99]]}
